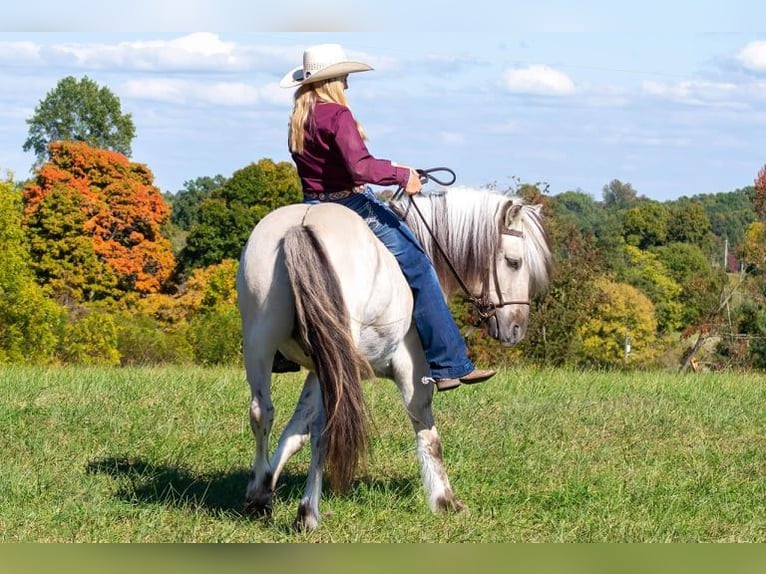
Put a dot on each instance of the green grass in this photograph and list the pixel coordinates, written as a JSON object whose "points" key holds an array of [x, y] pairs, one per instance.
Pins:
{"points": [[162, 455]]}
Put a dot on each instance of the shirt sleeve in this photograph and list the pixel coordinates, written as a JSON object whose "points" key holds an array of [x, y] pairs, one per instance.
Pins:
{"points": [[362, 166]]}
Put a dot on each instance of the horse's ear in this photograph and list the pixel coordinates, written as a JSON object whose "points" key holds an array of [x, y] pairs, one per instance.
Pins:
{"points": [[511, 212]]}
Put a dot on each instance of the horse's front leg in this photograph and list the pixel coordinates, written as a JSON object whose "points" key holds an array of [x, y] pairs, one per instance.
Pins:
{"points": [[259, 489], [409, 369]]}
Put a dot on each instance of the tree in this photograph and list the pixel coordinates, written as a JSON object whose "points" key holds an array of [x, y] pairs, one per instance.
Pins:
{"points": [[63, 256], [623, 315], [28, 321], [618, 194], [579, 209], [645, 271], [228, 216], [759, 201], [79, 111], [186, 203], [701, 284], [752, 249], [121, 213], [689, 223], [646, 224]]}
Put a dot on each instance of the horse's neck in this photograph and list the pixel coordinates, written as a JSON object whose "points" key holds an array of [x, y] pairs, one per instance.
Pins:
{"points": [[449, 235]]}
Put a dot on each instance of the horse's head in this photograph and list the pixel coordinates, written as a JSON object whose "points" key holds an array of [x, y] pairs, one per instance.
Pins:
{"points": [[519, 271]]}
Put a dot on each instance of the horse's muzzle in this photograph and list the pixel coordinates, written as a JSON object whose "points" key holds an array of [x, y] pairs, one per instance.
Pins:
{"points": [[509, 332]]}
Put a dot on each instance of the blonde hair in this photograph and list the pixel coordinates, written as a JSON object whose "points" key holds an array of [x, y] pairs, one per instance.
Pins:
{"points": [[302, 116]]}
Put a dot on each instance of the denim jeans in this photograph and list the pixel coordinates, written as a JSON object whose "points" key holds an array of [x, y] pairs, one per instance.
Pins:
{"points": [[442, 342]]}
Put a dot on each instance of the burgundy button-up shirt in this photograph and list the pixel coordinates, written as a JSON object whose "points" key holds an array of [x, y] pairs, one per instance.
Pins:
{"points": [[335, 158]]}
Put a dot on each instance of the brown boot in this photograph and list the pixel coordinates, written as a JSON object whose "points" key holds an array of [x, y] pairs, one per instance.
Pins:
{"points": [[475, 376]]}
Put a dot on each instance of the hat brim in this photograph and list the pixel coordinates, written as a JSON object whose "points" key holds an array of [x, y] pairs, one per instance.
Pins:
{"points": [[295, 77]]}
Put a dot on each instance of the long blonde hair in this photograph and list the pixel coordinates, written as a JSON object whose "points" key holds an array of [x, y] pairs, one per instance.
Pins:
{"points": [[302, 116]]}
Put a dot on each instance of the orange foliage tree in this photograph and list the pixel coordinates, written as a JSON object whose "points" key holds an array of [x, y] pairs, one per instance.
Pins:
{"points": [[121, 212]]}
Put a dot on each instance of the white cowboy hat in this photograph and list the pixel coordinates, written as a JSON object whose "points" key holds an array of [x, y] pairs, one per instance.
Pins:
{"points": [[320, 63]]}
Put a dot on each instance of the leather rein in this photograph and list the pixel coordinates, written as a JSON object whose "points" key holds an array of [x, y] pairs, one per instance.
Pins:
{"points": [[485, 308]]}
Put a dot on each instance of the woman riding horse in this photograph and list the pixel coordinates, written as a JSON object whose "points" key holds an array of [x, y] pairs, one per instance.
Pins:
{"points": [[334, 165]]}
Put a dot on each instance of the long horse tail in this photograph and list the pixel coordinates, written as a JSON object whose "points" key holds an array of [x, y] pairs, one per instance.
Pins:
{"points": [[323, 325]]}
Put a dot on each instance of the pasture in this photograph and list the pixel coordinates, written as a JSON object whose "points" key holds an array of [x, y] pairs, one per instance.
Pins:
{"points": [[163, 455]]}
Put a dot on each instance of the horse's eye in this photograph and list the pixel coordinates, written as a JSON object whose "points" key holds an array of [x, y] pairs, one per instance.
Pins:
{"points": [[513, 262]]}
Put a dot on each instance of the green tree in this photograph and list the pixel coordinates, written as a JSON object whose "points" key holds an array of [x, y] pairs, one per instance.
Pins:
{"points": [[79, 110], [701, 284], [28, 321], [646, 224], [228, 216], [186, 203], [689, 223], [618, 194], [646, 272], [579, 209]]}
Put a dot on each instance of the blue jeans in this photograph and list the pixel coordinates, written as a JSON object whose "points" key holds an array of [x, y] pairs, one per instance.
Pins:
{"points": [[442, 342]]}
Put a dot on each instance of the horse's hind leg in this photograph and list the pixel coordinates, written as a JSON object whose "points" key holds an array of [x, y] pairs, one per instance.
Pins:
{"points": [[417, 399], [258, 367], [296, 432], [308, 509]]}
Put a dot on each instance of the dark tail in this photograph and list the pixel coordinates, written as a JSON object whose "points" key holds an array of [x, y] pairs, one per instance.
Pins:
{"points": [[323, 326]]}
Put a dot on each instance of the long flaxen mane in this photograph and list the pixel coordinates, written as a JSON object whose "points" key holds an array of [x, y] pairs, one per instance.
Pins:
{"points": [[466, 224]]}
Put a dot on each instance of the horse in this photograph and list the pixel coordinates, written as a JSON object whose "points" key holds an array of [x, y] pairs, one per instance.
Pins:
{"points": [[316, 284]]}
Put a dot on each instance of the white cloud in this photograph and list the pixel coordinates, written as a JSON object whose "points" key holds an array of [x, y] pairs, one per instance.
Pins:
{"points": [[197, 52], [19, 53], [182, 91], [191, 52], [753, 56], [698, 92], [538, 79]]}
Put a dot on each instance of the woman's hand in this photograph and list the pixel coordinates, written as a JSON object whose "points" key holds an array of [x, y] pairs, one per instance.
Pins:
{"points": [[413, 183]]}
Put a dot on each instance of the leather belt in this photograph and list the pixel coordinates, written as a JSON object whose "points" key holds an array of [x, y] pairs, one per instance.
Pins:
{"points": [[333, 195]]}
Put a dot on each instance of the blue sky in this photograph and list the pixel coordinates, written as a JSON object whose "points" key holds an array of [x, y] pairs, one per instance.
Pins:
{"points": [[669, 96]]}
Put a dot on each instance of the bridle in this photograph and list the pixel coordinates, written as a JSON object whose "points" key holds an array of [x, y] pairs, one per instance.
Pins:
{"points": [[485, 308]]}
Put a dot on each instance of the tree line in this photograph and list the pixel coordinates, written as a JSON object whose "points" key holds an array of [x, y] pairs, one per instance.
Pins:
{"points": [[101, 267]]}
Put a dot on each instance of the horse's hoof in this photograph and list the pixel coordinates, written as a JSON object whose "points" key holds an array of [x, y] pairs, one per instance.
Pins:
{"points": [[258, 508], [306, 519], [450, 503]]}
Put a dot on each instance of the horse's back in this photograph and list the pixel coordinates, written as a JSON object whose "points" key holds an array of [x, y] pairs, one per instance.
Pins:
{"points": [[375, 293]]}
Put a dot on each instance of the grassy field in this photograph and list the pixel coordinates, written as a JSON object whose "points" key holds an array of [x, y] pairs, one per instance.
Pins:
{"points": [[162, 455]]}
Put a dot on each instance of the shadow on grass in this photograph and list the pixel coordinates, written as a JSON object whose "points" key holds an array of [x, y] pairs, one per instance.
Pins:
{"points": [[220, 493]]}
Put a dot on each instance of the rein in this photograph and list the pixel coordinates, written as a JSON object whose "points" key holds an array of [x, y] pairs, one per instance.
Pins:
{"points": [[484, 307]]}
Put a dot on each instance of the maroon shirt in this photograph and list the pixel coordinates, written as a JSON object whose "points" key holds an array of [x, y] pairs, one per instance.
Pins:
{"points": [[335, 158]]}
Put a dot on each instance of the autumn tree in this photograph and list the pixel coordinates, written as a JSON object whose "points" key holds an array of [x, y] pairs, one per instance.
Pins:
{"points": [[759, 201], [100, 195], [79, 110], [621, 329], [28, 321], [228, 216]]}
